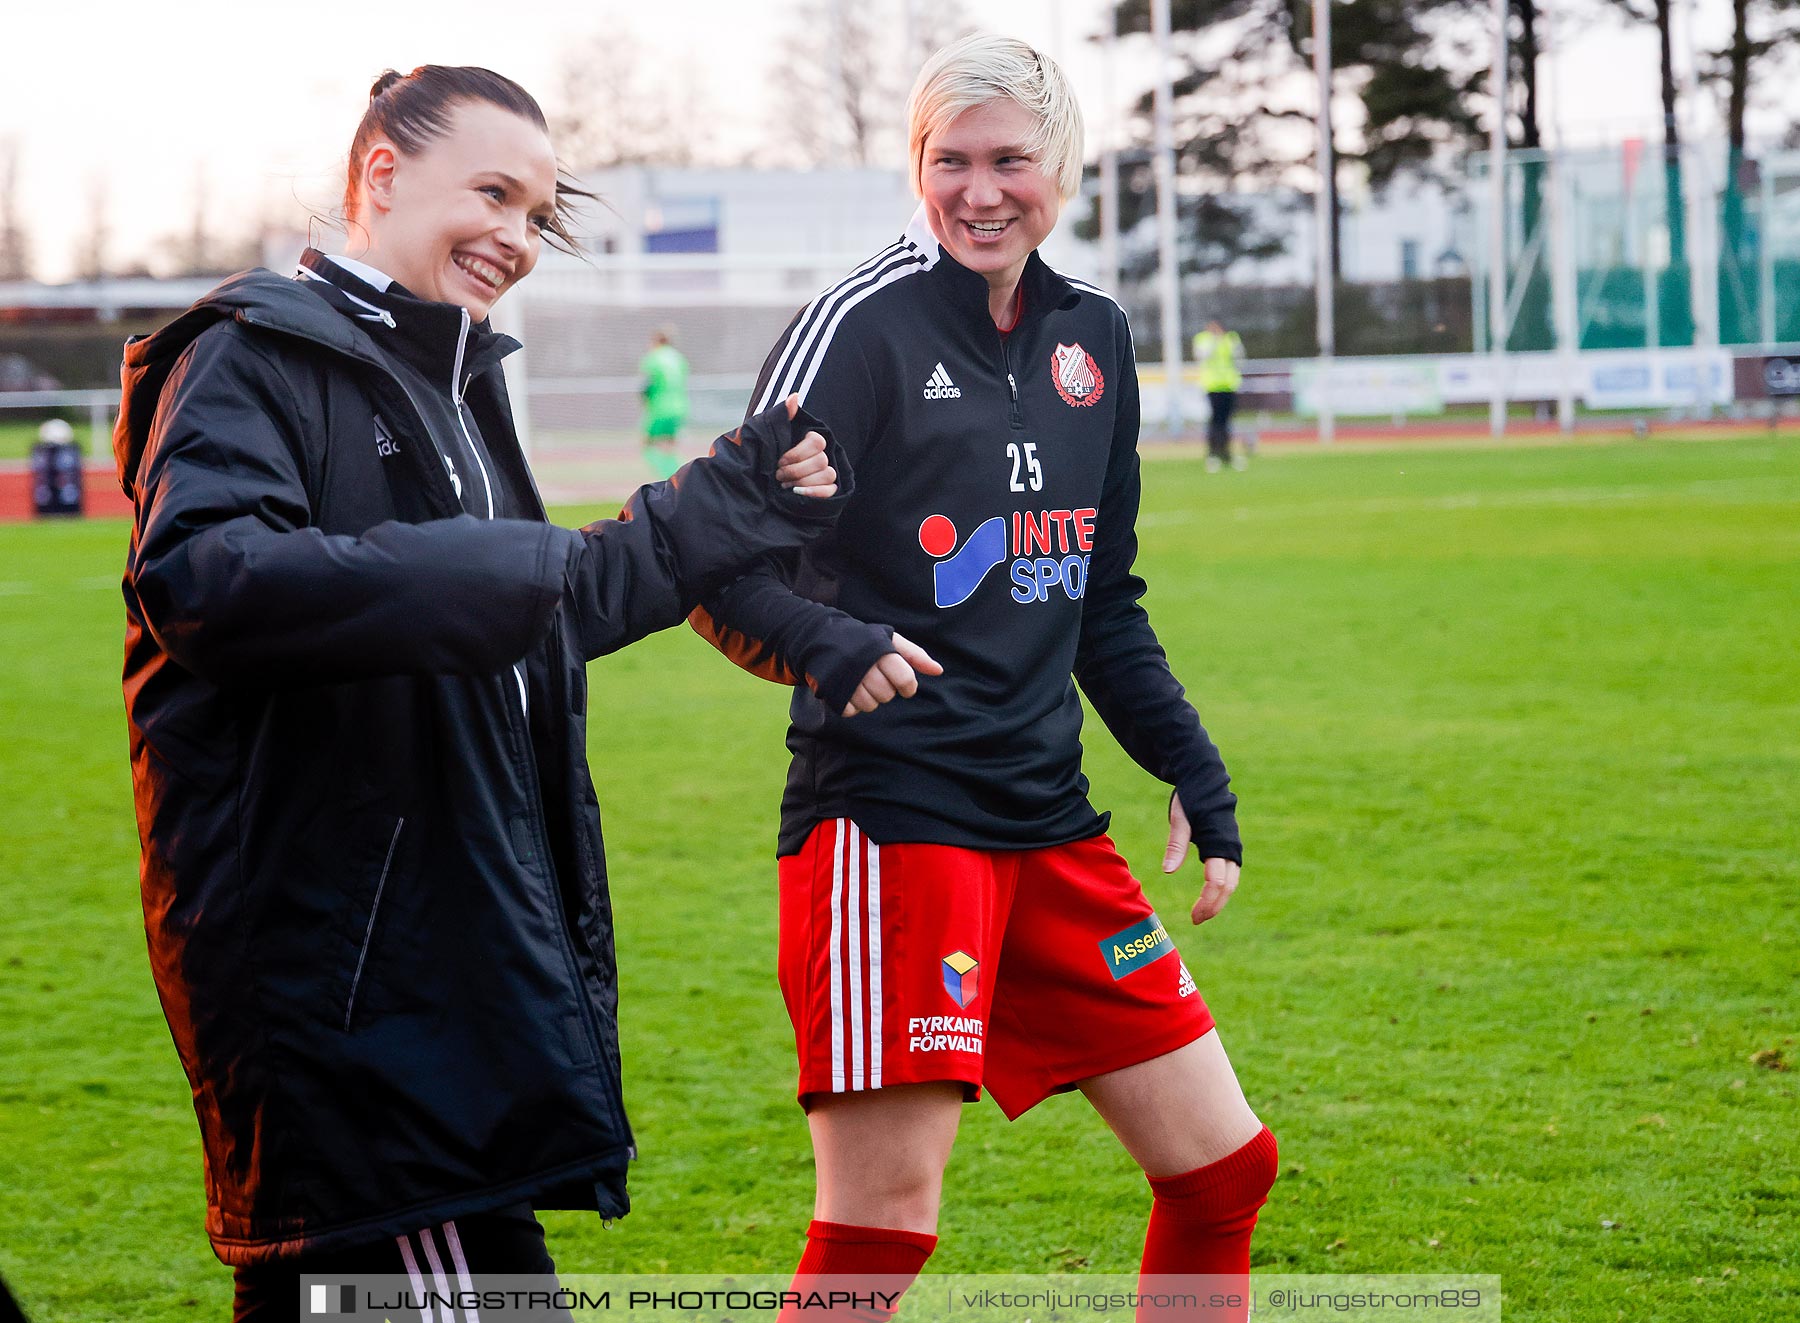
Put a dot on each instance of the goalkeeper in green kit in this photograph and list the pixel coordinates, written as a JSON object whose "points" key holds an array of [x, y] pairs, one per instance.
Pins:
{"points": [[665, 374]]}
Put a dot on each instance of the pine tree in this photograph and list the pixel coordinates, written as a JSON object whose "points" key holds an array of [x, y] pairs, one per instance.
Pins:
{"points": [[1244, 105]]}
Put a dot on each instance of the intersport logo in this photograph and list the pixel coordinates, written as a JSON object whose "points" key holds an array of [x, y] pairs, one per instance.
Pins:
{"points": [[940, 387], [1048, 548]]}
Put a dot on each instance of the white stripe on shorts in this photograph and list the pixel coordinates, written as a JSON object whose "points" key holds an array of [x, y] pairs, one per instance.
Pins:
{"points": [[837, 965], [855, 953], [875, 1026]]}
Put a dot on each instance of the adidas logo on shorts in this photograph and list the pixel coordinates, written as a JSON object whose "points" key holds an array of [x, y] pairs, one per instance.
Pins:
{"points": [[940, 387]]}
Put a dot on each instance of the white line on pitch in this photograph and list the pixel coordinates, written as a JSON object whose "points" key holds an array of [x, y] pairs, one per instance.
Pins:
{"points": [[39, 589], [1722, 490]]}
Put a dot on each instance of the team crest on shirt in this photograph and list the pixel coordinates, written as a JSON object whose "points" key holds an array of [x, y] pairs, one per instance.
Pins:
{"points": [[1076, 375]]}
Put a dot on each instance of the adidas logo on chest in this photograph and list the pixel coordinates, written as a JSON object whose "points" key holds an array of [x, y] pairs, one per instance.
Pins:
{"points": [[940, 387], [385, 445]]}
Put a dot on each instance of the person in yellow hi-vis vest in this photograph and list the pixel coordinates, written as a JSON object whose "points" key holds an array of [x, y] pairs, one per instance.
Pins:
{"points": [[1218, 352]]}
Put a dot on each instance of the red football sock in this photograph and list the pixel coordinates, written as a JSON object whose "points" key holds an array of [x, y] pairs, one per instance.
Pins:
{"points": [[864, 1261], [1200, 1224]]}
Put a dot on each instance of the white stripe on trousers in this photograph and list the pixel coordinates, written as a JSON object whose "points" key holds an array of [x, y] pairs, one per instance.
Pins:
{"points": [[413, 1275], [454, 1241], [446, 1312], [855, 927], [465, 1284]]}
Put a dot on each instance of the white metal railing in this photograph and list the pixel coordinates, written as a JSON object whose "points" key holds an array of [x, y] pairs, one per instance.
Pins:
{"points": [[101, 405]]}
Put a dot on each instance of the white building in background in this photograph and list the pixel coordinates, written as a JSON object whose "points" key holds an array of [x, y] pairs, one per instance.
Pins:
{"points": [[837, 217], [742, 213], [840, 215], [1415, 229], [834, 218]]}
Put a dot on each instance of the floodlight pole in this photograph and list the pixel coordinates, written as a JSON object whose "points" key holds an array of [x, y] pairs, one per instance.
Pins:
{"points": [[1562, 288], [1168, 279], [1323, 276], [1497, 226], [835, 71], [1703, 251], [1766, 262], [1564, 265], [1109, 157]]}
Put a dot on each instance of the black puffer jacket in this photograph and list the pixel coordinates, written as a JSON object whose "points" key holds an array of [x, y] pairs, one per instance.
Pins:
{"points": [[372, 876]]}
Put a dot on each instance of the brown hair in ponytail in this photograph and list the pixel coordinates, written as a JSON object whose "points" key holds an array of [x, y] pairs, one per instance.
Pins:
{"points": [[414, 110]]}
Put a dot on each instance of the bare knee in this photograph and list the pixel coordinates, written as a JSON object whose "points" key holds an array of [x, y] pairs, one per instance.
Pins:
{"points": [[903, 1196], [1177, 1112], [881, 1155]]}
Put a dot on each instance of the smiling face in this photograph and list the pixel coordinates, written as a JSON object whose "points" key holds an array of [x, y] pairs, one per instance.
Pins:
{"points": [[987, 197], [461, 221]]}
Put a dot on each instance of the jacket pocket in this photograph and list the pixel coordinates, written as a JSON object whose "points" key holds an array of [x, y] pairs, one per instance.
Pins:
{"points": [[368, 935]]}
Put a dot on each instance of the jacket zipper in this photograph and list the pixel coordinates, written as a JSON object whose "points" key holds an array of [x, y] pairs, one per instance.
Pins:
{"points": [[369, 931], [614, 1095], [524, 744], [456, 400], [487, 483], [570, 961], [1017, 415]]}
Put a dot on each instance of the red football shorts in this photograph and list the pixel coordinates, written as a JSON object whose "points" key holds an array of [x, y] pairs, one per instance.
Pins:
{"points": [[1021, 970]]}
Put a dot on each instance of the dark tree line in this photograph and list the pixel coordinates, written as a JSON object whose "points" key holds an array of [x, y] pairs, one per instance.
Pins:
{"points": [[1410, 92], [1244, 100], [15, 241], [1763, 32]]}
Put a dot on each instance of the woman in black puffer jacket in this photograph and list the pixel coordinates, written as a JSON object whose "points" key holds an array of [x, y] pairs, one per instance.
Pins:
{"points": [[373, 880]]}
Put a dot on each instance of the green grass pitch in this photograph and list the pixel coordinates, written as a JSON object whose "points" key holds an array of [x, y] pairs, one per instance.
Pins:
{"points": [[16, 439], [1514, 971]]}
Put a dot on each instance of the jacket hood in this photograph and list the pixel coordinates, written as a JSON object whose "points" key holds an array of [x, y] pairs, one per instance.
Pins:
{"points": [[258, 298]]}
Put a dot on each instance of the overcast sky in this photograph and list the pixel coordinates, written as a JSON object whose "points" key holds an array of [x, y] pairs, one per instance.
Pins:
{"points": [[256, 102]]}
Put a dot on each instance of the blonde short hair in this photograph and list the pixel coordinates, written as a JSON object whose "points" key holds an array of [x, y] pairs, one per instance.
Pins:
{"points": [[981, 68]]}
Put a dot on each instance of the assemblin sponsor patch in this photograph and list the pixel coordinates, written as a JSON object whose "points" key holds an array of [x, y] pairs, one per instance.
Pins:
{"points": [[1139, 945]]}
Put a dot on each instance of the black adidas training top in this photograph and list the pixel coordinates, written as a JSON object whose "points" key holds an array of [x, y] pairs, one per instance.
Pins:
{"points": [[993, 524]]}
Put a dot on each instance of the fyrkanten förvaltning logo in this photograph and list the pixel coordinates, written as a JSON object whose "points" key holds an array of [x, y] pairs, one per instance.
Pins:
{"points": [[962, 977]]}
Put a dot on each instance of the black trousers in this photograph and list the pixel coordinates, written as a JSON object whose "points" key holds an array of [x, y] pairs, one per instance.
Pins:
{"points": [[1218, 426], [449, 1257]]}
